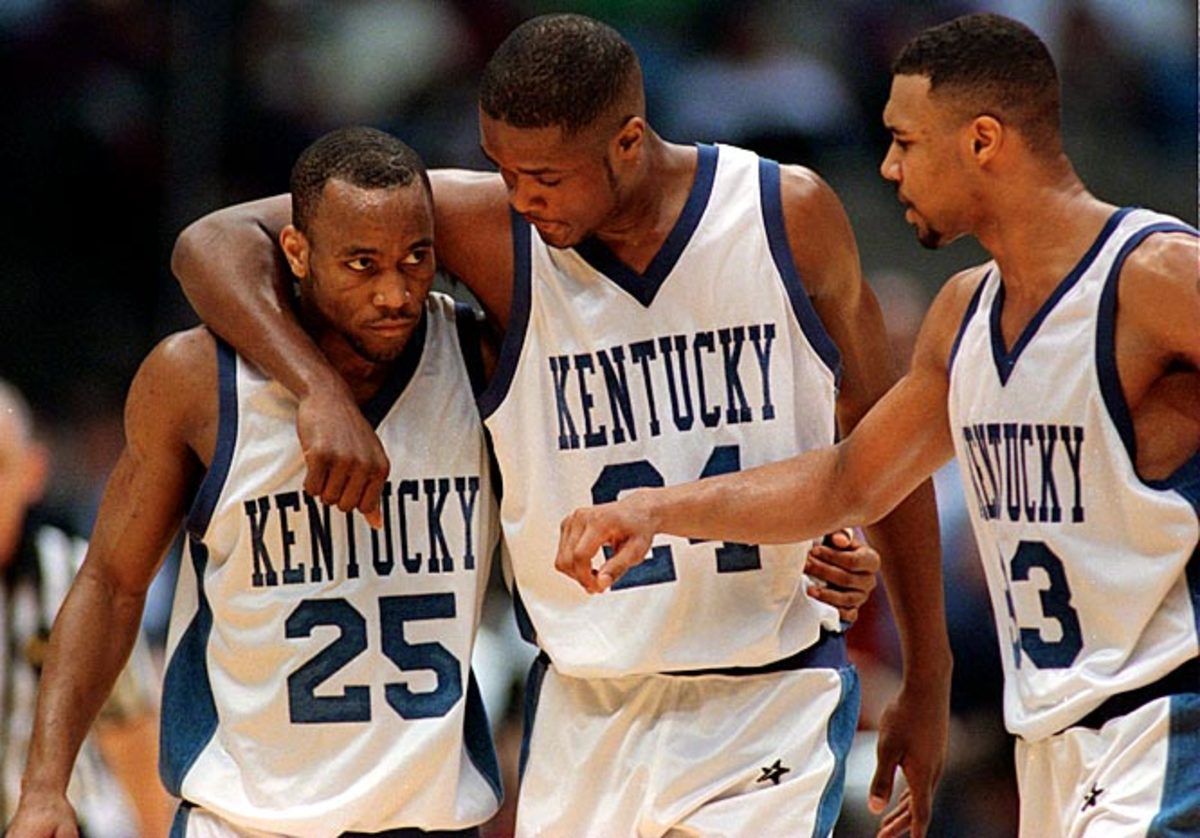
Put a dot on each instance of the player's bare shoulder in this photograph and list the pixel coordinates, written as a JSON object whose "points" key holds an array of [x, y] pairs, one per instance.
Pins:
{"points": [[819, 232], [473, 234], [1159, 295], [174, 396], [945, 316], [808, 200]]}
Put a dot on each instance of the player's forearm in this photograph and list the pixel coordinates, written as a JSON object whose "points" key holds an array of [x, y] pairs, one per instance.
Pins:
{"points": [[792, 500], [909, 548], [91, 640], [235, 278]]}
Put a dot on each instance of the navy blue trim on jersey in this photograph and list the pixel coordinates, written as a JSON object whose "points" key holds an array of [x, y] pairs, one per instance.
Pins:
{"points": [[771, 195], [227, 421], [477, 738], [470, 336], [1106, 349], [189, 713], [972, 307], [1006, 361], [1184, 678], [840, 735], [524, 624], [179, 822], [533, 692], [1185, 480], [1179, 808], [644, 286], [518, 319], [414, 832], [376, 408], [829, 652]]}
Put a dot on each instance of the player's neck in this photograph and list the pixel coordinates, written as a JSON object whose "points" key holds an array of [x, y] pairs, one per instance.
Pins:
{"points": [[652, 203], [1037, 235]]}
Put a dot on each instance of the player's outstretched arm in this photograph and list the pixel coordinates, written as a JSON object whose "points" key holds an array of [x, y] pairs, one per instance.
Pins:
{"points": [[851, 484], [234, 276], [98, 623]]}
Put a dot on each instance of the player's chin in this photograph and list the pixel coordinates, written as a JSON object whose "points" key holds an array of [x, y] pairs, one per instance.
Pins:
{"points": [[559, 236], [382, 351]]}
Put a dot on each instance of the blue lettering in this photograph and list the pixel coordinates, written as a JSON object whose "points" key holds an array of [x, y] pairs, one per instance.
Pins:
{"points": [[592, 437]]}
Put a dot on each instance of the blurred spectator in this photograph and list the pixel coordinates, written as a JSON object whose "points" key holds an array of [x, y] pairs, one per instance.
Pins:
{"points": [[114, 788]]}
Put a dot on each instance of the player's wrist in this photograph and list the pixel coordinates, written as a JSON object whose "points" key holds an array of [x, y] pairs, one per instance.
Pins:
{"points": [[928, 672], [42, 783]]}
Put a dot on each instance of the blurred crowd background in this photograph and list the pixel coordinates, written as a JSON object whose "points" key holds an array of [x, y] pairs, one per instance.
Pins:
{"points": [[126, 119]]}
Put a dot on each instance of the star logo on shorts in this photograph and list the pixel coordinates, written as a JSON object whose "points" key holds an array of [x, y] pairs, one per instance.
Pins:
{"points": [[773, 772], [1090, 799]]}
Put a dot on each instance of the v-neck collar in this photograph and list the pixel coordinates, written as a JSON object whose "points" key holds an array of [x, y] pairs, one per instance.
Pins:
{"points": [[643, 287], [402, 371], [1006, 360]]}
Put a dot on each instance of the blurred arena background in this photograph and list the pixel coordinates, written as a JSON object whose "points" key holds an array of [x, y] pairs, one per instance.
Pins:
{"points": [[126, 119]]}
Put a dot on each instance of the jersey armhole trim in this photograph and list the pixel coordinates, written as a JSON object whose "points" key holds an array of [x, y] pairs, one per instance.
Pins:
{"points": [[518, 319], [1188, 474], [188, 715], [771, 197], [227, 423], [466, 323], [968, 315]]}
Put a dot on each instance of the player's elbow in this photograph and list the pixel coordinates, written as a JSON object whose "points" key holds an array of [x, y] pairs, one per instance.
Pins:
{"points": [[857, 495], [190, 245]]}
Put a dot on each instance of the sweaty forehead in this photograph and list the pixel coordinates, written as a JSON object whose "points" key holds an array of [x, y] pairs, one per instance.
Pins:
{"points": [[347, 202], [349, 215]]}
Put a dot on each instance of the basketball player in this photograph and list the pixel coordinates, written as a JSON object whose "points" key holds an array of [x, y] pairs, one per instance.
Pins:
{"points": [[671, 311], [317, 679], [1065, 375]]}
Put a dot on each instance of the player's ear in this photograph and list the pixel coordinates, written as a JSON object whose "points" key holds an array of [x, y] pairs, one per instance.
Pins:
{"points": [[295, 250], [986, 136], [627, 143]]}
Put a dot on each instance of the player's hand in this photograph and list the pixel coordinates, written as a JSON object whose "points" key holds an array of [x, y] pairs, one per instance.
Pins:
{"points": [[898, 820], [43, 816], [346, 463], [844, 569], [626, 526], [912, 736]]}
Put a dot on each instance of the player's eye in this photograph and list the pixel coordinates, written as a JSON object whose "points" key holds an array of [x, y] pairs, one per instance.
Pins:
{"points": [[360, 264], [549, 182], [416, 257]]}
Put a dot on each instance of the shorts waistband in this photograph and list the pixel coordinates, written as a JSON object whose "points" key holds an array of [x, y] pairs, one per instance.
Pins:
{"points": [[829, 652], [1185, 678]]}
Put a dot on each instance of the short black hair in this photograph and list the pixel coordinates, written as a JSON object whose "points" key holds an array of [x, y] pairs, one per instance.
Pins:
{"points": [[561, 70], [361, 156], [994, 65]]}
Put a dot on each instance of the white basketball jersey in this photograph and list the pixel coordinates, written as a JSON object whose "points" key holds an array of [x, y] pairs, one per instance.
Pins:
{"points": [[711, 361], [318, 674], [1093, 572]]}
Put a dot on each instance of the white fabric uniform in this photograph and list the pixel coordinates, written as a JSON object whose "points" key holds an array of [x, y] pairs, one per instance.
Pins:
{"points": [[710, 361], [1093, 572], [318, 675], [1134, 776], [33, 590]]}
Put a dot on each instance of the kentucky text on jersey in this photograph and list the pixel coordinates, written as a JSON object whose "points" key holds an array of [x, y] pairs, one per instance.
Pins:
{"points": [[1025, 471], [291, 533], [706, 378]]}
